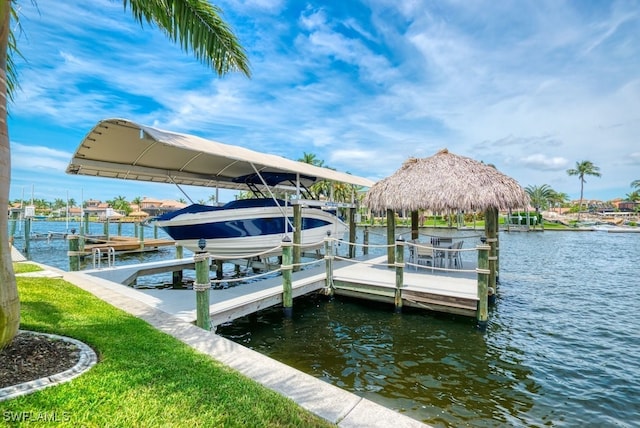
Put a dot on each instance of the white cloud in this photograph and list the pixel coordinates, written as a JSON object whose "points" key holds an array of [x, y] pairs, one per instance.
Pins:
{"points": [[545, 163]]}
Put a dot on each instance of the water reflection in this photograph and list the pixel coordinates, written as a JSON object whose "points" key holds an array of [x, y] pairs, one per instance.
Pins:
{"points": [[435, 368]]}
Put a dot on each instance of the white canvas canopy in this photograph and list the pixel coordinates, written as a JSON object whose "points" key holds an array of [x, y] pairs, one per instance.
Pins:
{"points": [[119, 148]]}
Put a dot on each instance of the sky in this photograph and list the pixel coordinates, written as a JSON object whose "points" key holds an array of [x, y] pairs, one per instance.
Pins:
{"points": [[531, 87]]}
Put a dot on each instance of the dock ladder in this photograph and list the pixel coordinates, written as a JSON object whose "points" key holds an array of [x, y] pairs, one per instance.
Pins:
{"points": [[97, 255]]}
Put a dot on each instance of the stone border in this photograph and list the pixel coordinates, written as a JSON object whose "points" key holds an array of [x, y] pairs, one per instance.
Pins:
{"points": [[87, 358]]}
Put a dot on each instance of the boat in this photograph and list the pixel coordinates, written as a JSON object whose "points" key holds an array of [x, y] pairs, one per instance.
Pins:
{"points": [[250, 227]]}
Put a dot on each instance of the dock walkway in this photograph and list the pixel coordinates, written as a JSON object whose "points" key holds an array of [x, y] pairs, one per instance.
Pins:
{"points": [[446, 291]]}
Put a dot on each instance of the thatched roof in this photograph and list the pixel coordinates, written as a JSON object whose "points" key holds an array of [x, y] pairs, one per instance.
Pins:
{"points": [[446, 181]]}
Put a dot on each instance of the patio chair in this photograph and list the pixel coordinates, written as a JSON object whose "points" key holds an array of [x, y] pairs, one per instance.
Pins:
{"points": [[454, 255]]}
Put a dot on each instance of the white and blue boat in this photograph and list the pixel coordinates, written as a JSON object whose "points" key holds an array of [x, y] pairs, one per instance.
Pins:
{"points": [[122, 149], [249, 227]]}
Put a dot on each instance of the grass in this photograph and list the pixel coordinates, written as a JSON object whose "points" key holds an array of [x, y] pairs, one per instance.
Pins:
{"points": [[144, 377], [25, 267]]}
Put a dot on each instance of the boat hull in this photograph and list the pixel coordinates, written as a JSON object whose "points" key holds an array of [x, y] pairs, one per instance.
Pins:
{"points": [[246, 232]]}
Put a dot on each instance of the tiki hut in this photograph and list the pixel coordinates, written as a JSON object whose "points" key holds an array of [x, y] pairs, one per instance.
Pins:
{"points": [[444, 182]]}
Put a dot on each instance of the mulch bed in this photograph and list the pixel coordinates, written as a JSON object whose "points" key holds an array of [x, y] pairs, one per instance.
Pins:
{"points": [[32, 356]]}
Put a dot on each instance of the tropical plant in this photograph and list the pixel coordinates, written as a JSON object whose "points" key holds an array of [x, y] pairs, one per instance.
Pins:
{"points": [[119, 203], [137, 201], [195, 24], [581, 170], [558, 198], [635, 184], [311, 158], [633, 196], [540, 196]]}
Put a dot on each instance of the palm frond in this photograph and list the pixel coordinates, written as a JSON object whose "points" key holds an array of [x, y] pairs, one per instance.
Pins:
{"points": [[199, 28]]}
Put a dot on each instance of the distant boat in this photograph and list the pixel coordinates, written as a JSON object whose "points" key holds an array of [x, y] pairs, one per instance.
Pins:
{"points": [[248, 226]]}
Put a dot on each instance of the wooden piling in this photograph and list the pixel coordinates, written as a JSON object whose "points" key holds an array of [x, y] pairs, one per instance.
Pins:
{"points": [[141, 230], [297, 236], [483, 286], [328, 258], [391, 232], [491, 232], [105, 228], [352, 232], [202, 287], [286, 267], [415, 225], [73, 253], [365, 241], [177, 276], [27, 235], [14, 223], [399, 264], [86, 224]]}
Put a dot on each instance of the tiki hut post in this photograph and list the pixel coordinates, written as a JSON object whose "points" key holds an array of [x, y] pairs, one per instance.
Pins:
{"points": [[391, 231], [415, 226], [352, 232]]}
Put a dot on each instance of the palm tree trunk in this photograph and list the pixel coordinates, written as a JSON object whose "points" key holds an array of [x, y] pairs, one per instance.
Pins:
{"points": [[9, 302], [581, 194]]}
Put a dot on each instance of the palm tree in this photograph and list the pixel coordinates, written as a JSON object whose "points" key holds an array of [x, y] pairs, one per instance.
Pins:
{"points": [[635, 184], [559, 198], [119, 203], [540, 196], [311, 158], [583, 168], [195, 24]]}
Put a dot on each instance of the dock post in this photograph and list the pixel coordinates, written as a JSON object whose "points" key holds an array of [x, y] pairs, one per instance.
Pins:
{"points": [[415, 225], [14, 223], [497, 260], [106, 228], [482, 313], [352, 232], [328, 258], [491, 232], [177, 275], [86, 223], [219, 269], [141, 230], [202, 287], [365, 241], [297, 236], [287, 267], [391, 232], [27, 235], [399, 273], [73, 253], [119, 228], [155, 231]]}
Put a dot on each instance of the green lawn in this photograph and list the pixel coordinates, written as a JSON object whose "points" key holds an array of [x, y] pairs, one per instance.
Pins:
{"points": [[144, 378]]}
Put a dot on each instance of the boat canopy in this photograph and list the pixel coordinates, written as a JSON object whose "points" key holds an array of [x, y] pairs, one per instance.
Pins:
{"points": [[119, 148]]}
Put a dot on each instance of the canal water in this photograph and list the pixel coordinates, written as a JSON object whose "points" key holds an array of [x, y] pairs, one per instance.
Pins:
{"points": [[561, 348]]}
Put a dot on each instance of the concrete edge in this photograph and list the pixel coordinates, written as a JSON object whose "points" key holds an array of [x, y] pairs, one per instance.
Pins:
{"points": [[321, 398], [87, 358]]}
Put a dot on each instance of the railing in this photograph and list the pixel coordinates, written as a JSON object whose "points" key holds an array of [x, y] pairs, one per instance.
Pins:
{"points": [[96, 254]]}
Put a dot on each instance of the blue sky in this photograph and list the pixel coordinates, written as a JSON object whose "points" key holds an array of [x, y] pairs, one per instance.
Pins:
{"points": [[529, 86]]}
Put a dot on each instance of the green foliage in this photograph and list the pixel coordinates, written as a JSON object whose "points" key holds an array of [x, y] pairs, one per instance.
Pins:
{"points": [[26, 267], [144, 377]]}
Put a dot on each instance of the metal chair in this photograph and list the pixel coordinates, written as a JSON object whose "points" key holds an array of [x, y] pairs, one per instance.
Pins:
{"points": [[454, 255]]}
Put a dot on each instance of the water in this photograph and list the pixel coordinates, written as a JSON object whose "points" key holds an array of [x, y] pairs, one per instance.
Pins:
{"points": [[54, 252], [561, 348]]}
